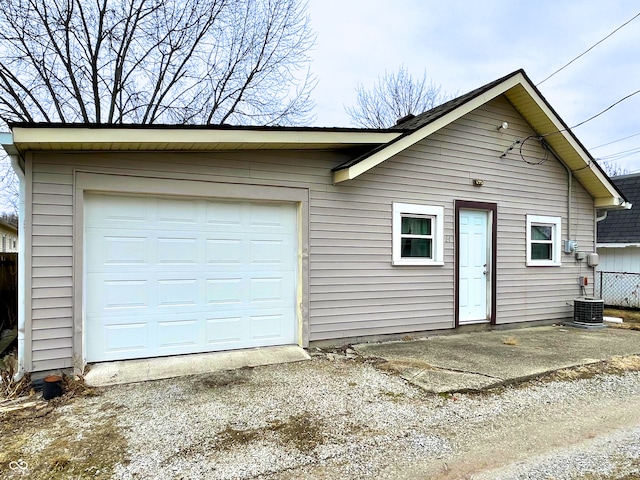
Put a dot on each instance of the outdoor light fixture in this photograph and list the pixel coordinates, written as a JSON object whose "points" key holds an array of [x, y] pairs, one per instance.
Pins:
{"points": [[503, 126], [478, 183]]}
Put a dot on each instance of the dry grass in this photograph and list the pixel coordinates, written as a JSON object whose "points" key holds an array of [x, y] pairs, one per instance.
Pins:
{"points": [[631, 318], [75, 386], [9, 388], [91, 450], [301, 431], [616, 365], [512, 341]]}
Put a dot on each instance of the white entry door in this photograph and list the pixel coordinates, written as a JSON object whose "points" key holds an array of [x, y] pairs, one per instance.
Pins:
{"points": [[473, 266], [168, 276]]}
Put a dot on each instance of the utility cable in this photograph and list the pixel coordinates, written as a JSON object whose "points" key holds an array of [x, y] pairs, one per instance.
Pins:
{"points": [[589, 49], [615, 141], [606, 109], [592, 117]]}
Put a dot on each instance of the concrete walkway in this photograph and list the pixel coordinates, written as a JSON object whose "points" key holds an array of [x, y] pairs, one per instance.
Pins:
{"points": [[476, 361], [142, 370]]}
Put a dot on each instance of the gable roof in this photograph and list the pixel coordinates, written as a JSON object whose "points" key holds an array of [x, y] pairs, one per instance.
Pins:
{"points": [[623, 226], [530, 104], [379, 144]]}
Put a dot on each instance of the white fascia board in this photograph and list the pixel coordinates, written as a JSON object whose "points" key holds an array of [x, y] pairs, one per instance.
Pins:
{"points": [[617, 245], [6, 140], [407, 141], [571, 141], [611, 203], [107, 136]]}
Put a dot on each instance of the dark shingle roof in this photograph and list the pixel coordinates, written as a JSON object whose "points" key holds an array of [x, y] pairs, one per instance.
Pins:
{"points": [[437, 112], [623, 226], [414, 123]]}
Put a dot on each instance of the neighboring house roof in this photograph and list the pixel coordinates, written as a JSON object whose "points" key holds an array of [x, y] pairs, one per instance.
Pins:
{"points": [[8, 226], [367, 147], [623, 226]]}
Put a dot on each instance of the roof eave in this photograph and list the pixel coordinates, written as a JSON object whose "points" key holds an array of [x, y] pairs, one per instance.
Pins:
{"points": [[65, 138], [408, 139], [530, 103]]}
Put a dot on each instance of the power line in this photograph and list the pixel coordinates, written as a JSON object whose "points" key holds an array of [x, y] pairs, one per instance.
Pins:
{"points": [[618, 155], [607, 109], [541, 137], [592, 117], [616, 141], [589, 49]]}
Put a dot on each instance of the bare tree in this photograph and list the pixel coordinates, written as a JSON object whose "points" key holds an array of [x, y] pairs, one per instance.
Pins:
{"points": [[8, 187], [393, 96], [614, 169], [155, 61]]}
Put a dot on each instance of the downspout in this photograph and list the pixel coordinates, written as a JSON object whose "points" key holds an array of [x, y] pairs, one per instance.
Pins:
{"points": [[602, 217], [19, 169], [569, 186]]}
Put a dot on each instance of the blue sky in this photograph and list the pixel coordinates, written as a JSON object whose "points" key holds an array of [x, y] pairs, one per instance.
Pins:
{"points": [[464, 44]]}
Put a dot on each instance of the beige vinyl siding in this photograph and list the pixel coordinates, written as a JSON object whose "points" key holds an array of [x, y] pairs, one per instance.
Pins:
{"points": [[51, 262], [353, 288]]}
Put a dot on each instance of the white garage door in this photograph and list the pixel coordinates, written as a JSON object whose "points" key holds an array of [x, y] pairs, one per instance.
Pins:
{"points": [[168, 276]]}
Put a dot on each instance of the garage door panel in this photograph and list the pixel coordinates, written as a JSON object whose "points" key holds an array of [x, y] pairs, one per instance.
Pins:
{"points": [[268, 290], [178, 333], [128, 338], [266, 327], [222, 277], [225, 330], [118, 211], [224, 291], [108, 296], [272, 218], [224, 251], [177, 251], [177, 292], [225, 214], [125, 250], [273, 252], [117, 250], [175, 212]]}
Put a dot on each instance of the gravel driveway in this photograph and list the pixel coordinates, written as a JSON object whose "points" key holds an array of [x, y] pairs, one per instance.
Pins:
{"points": [[332, 417]]}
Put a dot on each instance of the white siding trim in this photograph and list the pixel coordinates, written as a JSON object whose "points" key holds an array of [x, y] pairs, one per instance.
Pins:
{"points": [[438, 235], [556, 223]]}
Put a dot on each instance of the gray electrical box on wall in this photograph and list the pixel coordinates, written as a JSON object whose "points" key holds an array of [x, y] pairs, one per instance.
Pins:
{"points": [[593, 259], [570, 246]]}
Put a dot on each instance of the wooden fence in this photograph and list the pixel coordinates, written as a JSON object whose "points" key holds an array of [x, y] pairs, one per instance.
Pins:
{"points": [[8, 290]]}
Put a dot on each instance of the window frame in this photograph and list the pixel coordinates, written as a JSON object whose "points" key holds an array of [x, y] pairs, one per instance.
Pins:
{"points": [[436, 213], [556, 244]]}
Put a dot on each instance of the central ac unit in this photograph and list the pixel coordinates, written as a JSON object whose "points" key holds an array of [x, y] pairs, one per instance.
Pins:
{"points": [[588, 310]]}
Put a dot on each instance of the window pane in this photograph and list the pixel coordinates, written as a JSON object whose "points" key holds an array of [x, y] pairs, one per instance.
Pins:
{"points": [[541, 251], [541, 232], [416, 226], [416, 247]]}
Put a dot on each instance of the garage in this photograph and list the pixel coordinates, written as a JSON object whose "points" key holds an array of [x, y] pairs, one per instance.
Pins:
{"points": [[175, 275]]}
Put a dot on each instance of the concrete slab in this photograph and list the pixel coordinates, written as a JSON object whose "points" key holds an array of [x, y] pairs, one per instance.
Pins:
{"points": [[480, 360], [129, 371]]}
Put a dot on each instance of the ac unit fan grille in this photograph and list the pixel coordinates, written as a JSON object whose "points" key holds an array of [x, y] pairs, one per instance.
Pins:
{"points": [[588, 310]]}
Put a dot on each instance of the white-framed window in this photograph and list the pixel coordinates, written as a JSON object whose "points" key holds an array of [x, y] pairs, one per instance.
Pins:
{"points": [[543, 241], [418, 234]]}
